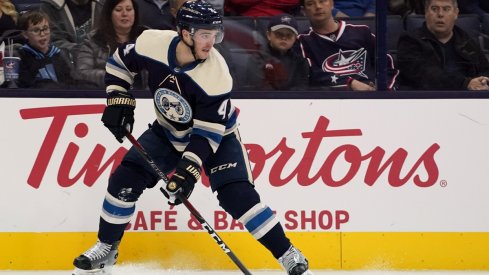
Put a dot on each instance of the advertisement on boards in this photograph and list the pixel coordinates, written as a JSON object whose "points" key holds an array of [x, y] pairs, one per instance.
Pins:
{"points": [[322, 165]]}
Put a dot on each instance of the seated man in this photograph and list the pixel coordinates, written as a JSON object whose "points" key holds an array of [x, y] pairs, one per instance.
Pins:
{"points": [[277, 66], [341, 56], [71, 20], [439, 55], [156, 14]]}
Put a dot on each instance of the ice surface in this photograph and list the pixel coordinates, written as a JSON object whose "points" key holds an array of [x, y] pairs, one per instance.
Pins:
{"points": [[128, 269]]}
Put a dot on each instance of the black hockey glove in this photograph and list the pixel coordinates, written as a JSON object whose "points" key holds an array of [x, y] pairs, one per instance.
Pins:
{"points": [[183, 180], [119, 114]]}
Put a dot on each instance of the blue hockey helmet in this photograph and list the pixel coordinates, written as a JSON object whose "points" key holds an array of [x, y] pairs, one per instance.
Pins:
{"points": [[199, 14]]}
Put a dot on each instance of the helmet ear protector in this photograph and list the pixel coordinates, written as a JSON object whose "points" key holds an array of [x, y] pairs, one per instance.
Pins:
{"points": [[199, 14]]}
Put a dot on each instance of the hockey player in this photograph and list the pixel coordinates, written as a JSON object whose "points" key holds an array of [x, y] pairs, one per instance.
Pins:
{"points": [[195, 127]]}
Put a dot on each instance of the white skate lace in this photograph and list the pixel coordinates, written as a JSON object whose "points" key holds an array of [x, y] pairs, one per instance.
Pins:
{"points": [[98, 251], [291, 259], [290, 262]]}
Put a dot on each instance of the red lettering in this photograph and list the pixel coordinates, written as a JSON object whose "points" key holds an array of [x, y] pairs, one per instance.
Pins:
{"points": [[290, 220], [155, 217], [351, 155], [424, 172], [194, 224], [326, 220], [236, 225], [140, 221], [305, 220], [170, 220], [313, 220], [93, 168], [220, 222], [341, 217], [348, 153]]}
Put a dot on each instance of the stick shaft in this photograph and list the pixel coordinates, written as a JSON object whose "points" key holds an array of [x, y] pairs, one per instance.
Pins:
{"points": [[187, 204]]}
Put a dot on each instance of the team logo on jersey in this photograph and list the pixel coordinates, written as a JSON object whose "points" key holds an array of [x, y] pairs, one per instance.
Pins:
{"points": [[346, 63], [172, 106]]}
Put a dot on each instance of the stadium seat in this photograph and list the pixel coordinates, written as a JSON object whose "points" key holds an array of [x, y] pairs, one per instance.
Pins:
{"points": [[240, 59], [369, 21], [395, 27], [485, 32], [468, 22], [240, 32], [262, 26], [303, 24], [25, 5]]}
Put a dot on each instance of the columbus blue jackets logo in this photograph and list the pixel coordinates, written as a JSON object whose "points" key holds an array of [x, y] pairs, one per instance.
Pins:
{"points": [[346, 63], [172, 106]]}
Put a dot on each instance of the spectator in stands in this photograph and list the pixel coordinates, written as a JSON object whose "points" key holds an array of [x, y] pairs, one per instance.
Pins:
{"points": [[72, 20], [261, 7], [161, 14], [156, 14], [174, 6], [118, 24], [218, 5], [354, 8], [8, 18], [42, 64], [479, 7], [341, 56], [439, 55], [277, 66]]}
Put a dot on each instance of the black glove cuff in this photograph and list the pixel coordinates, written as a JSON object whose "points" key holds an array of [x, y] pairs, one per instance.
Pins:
{"points": [[116, 98], [189, 167]]}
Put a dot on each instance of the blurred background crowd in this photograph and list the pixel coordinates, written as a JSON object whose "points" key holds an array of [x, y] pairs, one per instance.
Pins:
{"points": [[285, 45]]}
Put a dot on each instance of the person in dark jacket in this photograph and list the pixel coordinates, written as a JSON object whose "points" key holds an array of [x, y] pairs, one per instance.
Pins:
{"points": [[439, 55], [156, 14], [118, 24], [42, 64], [71, 20], [277, 66], [341, 56]]}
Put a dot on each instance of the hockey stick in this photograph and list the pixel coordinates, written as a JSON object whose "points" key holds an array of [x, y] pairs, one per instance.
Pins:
{"points": [[189, 206]]}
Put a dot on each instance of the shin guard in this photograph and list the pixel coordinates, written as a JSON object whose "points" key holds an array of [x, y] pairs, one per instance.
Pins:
{"points": [[243, 203]]}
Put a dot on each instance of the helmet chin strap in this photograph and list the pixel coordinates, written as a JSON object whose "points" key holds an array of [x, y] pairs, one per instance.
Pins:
{"points": [[192, 48]]}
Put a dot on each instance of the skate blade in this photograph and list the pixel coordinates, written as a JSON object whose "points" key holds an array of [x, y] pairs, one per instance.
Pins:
{"points": [[106, 271]]}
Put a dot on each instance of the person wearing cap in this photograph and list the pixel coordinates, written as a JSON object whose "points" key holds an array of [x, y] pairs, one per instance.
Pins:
{"points": [[277, 66], [341, 56]]}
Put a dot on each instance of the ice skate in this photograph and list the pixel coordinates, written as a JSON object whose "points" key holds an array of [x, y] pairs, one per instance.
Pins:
{"points": [[97, 260], [294, 262]]}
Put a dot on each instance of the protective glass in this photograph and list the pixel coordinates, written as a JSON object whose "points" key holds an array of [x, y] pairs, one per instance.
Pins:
{"points": [[205, 36]]}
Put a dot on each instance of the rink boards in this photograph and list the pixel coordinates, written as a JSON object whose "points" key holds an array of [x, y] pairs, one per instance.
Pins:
{"points": [[357, 184]]}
